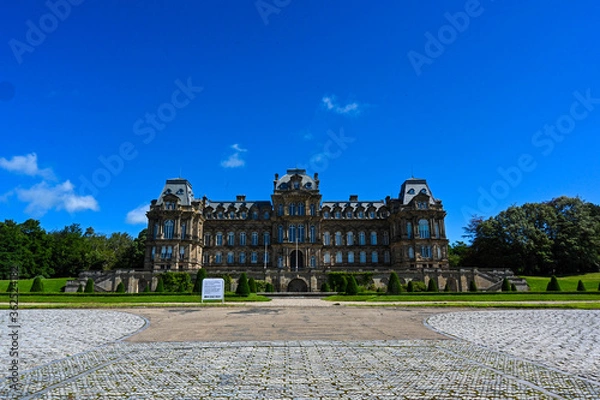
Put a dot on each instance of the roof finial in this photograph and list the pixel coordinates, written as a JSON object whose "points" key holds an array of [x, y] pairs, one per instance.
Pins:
{"points": [[412, 174]]}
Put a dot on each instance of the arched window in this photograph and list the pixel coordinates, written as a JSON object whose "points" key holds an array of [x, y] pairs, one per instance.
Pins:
{"points": [[338, 214], [338, 238], [424, 229], [439, 252], [301, 233], [292, 209], [361, 238], [373, 238], [231, 214], [292, 233], [350, 257], [254, 239], [279, 210], [436, 226], [280, 234], [266, 238], [182, 252], [326, 239], [374, 257], [363, 257], [242, 238], [313, 261], [313, 234], [153, 252], [326, 214], [361, 214], [254, 215], [254, 257], [409, 230], [242, 257], [326, 258], [386, 238], [218, 258], [230, 257], [155, 231], [312, 210], [426, 251], [300, 208], [219, 239], [168, 229], [207, 239], [386, 257], [230, 239], [183, 226], [350, 239], [411, 253], [338, 257]]}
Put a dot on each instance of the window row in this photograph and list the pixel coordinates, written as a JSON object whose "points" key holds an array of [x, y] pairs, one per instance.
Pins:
{"points": [[230, 238], [425, 252], [166, 252], [423, 229], [351, 214], [350, 238], [253, 257], [232, 214], [168, 230], [350, 257]]}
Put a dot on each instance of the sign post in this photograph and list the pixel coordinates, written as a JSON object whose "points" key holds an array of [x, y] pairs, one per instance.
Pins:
{"points": [[213, 289]]}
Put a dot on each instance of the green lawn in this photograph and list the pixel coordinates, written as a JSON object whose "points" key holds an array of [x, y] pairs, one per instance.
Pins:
{"points": [[472, 297], [567, 283], [52, 285]]}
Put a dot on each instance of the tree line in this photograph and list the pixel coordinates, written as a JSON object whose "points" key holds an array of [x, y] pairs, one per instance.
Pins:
{"points": [[556, 237], [65, 252]]}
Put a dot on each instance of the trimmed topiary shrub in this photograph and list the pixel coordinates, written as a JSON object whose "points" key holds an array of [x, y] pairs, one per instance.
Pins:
{"points": [[199, 278], [147, 289], [252, 285], [269, 288], [89, 286], [580, 286], [243, 289], [342, 285], [410, 287], [352, 287], [473, 286], [120, 288], [447, 287], [513, 287], [80, 288], [325, 287], [432, 286], [13, 286], [553, 285], [160, 286], [506, 285], [37, 286], [394, 286]]}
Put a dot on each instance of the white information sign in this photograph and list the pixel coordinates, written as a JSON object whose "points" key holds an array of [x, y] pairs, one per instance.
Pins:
{"points": [[213, 289]]}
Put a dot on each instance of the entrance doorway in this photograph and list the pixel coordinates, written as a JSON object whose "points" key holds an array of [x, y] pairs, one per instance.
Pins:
{"points": [[297, 285]]}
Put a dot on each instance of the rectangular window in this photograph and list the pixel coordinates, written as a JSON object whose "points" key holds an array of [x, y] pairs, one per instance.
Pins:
{"points": [[266, 238], [254, 257], [242, 238], [242, 258], [182, 252], [183, 231], [254, 238], [207, 239], [218, 258]]}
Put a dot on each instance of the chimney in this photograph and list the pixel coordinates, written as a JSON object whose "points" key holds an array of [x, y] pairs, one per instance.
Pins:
{"points": [[240, 197], [353, 197]]}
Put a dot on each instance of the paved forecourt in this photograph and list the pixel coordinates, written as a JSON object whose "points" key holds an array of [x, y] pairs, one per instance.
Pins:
{"points": [[484, 358]]}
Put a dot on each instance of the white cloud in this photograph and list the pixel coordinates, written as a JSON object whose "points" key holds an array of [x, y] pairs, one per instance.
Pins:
{"points": [[4, 197], [43, 197], [137, 216], [330, 104], [26, 165], [234, 160]]}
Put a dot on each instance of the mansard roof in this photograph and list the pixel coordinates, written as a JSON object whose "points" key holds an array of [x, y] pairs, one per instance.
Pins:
{"points": [[295, 175], [413, 187], [181, 188]]}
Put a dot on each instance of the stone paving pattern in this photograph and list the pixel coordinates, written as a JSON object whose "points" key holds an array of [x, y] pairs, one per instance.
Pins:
{"points": [[320, 369]]}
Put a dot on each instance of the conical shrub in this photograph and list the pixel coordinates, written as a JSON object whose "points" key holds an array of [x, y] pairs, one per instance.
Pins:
{"points": [[553, 285], [243, 289], [394, 286], [37, 286]]}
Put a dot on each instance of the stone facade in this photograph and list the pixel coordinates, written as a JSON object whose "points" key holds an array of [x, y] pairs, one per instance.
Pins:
{"points": [[296, 237]]}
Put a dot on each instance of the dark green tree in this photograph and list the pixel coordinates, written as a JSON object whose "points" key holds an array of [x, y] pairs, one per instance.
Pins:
{"points": [[394, 287], [146, 289], [553, 285], [580, 286], [410, 287], [200, 276], [506, 285], [269, 288], [80, 288], [325, 287], [252, 285], [513, 287], [447, 287], [160, 286], [120, 288], [352, 287], [473, 286], [432, 286], [89, 286], [243, 289], [37, 286]]}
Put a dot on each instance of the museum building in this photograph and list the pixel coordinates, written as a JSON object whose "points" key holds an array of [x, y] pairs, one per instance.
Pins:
{"points": [[296, 231]]}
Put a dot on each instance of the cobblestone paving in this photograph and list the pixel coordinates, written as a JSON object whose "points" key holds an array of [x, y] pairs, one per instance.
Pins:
{"points": [[397, 369], [565, 339]]}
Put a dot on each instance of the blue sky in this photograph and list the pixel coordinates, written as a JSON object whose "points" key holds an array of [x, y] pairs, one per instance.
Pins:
{"points": [[493, 102]]}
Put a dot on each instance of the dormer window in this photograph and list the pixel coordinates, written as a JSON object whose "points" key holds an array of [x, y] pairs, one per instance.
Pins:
{"points": [[308, 185], [423, 191], [296, 185], [169, 205], [180, 191], [411, 191]]}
